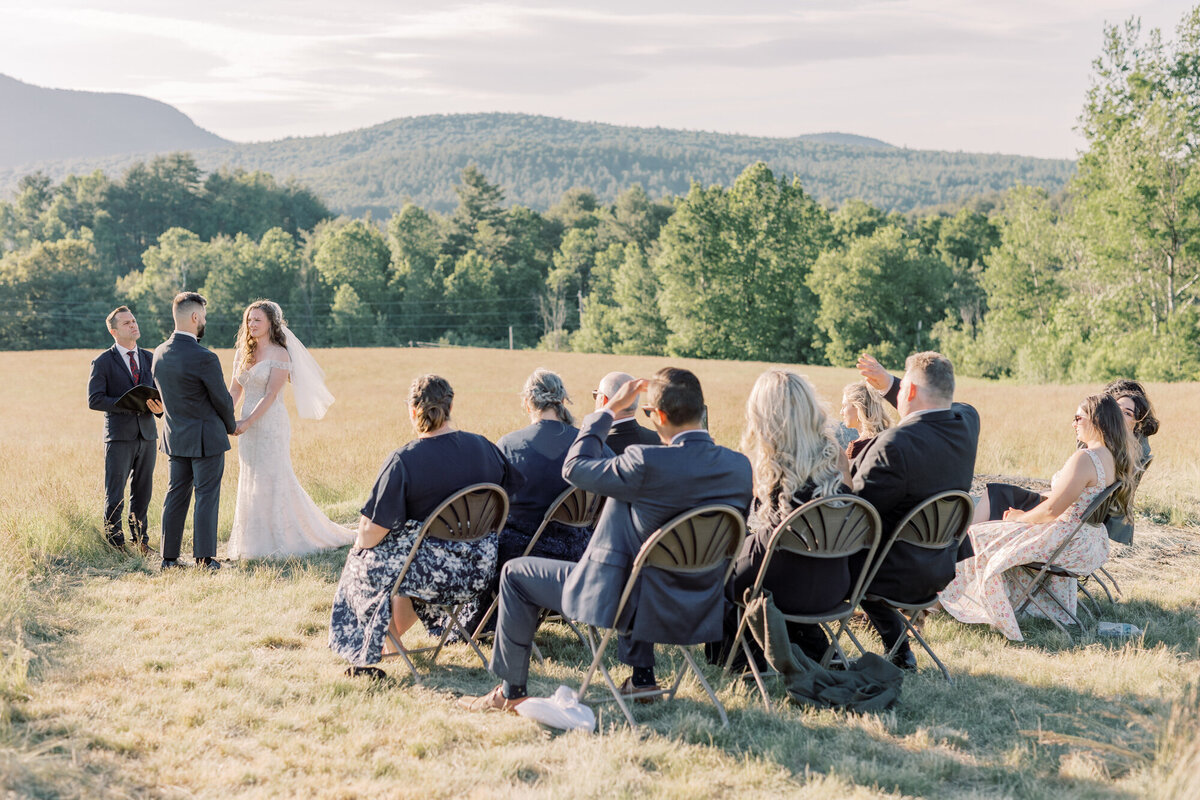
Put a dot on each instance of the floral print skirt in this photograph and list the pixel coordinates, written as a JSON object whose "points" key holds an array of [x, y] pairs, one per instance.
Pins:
{"points": [[442, 573]]}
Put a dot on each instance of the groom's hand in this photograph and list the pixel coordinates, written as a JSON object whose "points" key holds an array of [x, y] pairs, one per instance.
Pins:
{"points": [[241, 427]]}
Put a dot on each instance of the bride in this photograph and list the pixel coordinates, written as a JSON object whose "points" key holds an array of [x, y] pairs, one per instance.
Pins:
{"points": [[274, 516]]}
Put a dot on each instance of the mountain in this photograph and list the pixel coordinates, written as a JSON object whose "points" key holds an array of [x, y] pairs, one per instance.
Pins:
{"points": [[536, 158], [51, 124]]}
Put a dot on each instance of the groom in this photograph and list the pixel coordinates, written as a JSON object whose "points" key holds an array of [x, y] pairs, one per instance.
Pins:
{"points": [[197, 423]]}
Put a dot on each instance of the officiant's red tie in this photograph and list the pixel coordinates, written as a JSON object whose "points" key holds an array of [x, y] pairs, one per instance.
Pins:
{"points": [[133, 366]]}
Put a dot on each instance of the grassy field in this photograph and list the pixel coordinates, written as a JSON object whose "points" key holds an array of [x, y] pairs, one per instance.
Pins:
{"points": [[118, 682]]}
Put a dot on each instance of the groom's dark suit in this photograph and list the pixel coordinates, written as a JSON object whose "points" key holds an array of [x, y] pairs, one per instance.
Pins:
{"points": [[129, 439], [646, 487], [199, 417]]}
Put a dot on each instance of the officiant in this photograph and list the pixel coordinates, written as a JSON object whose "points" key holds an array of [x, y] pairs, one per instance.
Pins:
{"points": [[130, 435]]}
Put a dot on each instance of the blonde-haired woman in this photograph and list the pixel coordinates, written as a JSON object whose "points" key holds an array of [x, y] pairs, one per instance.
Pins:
{"points": [[795, 459], [414, 481], [274, 516], [863, 410]]}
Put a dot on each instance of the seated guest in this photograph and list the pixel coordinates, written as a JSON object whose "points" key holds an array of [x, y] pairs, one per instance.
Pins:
{"points": [[645, 486], [625, 428], [795, 459], [984, 584], [931, 450], [1140, 423], [864, 411], [537, 452], [414, 481]]}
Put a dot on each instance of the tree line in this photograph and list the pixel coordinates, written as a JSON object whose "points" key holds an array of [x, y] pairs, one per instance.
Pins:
{"points": [[1097, 281]]}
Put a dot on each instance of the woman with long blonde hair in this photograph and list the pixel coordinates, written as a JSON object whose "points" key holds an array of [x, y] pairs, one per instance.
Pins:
{"points": [[274, 516], [863, 410], [795, 459]]}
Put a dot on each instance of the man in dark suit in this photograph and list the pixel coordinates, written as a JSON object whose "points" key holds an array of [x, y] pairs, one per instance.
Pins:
{"points": [[931, 450], [199, 419], [129, 436], [625, 428], [646, 486]]}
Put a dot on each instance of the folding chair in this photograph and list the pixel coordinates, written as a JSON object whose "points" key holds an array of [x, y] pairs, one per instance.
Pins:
{"points": [[939, 523], [575, 508], [1100, 581], [466, 516], [1094, 514], [694, 542], [830, 527]]}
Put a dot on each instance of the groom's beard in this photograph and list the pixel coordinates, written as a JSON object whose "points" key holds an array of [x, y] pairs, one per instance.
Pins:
{"points": [[200, 332]]}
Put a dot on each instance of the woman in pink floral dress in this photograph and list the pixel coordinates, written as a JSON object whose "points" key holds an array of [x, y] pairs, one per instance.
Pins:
{"points": [[985, 585]]}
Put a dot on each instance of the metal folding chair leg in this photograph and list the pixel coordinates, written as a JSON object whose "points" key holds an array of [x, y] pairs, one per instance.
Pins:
{"points": [[598, 663], [691, 662], [924, 644], [402, 652], [758, 680], [1116, 587]]}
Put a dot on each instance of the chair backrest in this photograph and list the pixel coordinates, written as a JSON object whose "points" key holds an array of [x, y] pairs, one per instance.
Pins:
{"points": [[939, 522], [468, 514], [1098, 510], [575, 508], [695, 541], [829, 527]]}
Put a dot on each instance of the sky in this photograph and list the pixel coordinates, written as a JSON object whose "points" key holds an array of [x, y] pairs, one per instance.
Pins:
{"points": [[1006, 76]]}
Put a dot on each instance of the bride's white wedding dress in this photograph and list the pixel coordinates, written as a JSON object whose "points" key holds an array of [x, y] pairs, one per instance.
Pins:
{"points": [[274, 516]]}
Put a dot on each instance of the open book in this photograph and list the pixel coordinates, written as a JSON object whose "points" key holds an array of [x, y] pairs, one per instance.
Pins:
{"points": [[135, 399]]}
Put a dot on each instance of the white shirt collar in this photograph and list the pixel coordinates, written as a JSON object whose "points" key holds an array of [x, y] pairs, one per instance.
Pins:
{"points": [[625, 421], [184, 333]]}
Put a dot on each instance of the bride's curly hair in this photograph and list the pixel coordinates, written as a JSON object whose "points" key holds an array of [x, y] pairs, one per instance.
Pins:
{"points": [[245, 343], [789, 443], [1105, 416]]}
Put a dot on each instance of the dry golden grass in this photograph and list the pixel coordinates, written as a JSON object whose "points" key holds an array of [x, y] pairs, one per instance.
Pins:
{"points": [[118, 682]]}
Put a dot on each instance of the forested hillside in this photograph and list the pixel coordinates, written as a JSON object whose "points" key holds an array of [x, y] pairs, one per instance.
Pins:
{"points": [[42, 124], [536, 159]]}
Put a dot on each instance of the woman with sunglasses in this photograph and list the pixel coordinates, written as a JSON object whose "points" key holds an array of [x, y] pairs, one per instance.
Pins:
{"points": [[984, 584]]}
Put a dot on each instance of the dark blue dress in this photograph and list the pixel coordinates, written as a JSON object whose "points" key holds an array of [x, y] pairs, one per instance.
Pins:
{"points": [[538, 452], [414, 481]]}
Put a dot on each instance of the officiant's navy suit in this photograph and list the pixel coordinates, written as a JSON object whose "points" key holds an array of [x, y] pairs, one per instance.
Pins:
{"points": [[646, 487], [129, 440], [197, 420]]}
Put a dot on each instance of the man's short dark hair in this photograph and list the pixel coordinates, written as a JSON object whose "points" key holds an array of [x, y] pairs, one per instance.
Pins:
{"points": [[111, 319], [185, 300], [676, 392], [932, 371]]}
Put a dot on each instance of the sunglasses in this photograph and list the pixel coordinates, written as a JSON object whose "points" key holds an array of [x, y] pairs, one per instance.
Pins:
{"points": [[647, 409], [1078, 418], [595, 394]]}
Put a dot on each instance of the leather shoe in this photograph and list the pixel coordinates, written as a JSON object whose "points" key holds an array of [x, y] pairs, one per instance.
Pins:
{"points": [[144, 548], [208, 563], [904, 658], [492, 701], [170, 563], [640, 694]]}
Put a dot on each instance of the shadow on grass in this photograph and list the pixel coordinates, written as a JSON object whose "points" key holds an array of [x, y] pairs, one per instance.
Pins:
{"points": [[1177, 629], [986, 730]]}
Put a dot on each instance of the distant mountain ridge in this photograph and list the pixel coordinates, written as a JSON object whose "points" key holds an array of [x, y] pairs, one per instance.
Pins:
{"points": [[51, 124], [537, 158]]}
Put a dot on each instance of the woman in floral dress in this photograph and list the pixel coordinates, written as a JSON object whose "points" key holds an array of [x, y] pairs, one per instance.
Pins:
{"points": [[985, 585]]}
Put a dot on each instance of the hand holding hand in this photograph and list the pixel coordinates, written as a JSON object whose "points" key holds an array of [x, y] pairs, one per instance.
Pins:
{"points": [[626, 396], [241, 427], [155, 406], [874, 373]]}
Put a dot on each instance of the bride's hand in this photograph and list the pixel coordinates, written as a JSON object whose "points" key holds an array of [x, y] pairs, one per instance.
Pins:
{"points": [[241, 427]]}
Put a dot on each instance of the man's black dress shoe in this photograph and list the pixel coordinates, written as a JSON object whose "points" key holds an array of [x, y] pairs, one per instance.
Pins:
{"points": [[208, 563], [905, 658], [170, 563]]}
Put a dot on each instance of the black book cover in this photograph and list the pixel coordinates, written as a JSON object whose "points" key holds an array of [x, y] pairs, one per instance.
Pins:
{"points": [[135, 399]]}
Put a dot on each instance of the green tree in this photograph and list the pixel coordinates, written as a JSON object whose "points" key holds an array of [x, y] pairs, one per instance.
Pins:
{"points": [[356, 255], [881, 293], [55, 295], [178, 262]]}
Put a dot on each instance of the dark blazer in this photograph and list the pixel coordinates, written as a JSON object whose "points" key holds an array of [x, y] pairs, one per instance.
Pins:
{"points": [[925, 454], [646, 487], [109, 380], [628, 432], [197, 407]]}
